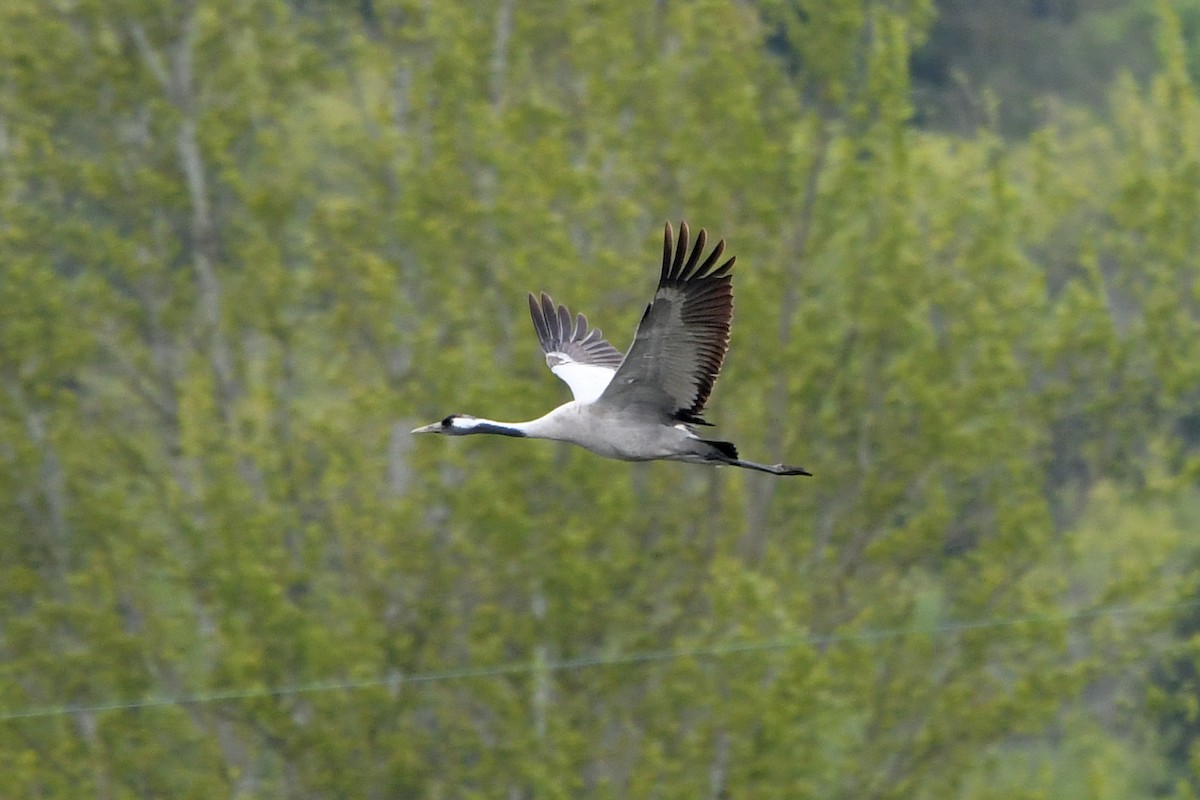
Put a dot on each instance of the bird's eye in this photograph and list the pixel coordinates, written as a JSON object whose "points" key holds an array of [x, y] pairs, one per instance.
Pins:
{"points": [[448, 421]]}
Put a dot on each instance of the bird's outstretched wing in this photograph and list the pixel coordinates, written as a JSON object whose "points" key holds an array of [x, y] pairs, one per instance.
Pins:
{"points": [[575, 353], [682, 338]]}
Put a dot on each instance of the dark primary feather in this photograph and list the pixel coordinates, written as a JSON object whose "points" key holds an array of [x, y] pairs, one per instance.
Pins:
{"points": [[559, 334], [684, 333]]}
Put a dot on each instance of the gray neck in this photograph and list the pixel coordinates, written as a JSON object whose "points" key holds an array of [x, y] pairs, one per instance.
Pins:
{"points": [[500, 428], [547, 427]]}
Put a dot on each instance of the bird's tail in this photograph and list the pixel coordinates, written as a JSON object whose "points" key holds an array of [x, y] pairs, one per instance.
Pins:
{"points": [[726, 453]]}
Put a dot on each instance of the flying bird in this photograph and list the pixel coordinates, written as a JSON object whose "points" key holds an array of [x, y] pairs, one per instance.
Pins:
{"points": [[645, 405]]}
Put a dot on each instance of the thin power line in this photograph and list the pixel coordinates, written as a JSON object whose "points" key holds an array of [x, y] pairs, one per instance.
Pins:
{"points": [[397, 680]]}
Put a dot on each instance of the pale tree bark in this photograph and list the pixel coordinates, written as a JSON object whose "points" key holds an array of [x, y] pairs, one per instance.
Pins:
{"points": [[541, 674], [172, 65], [718, 771], [176, 76], [51, 512], [504, 23], [86, 724]]}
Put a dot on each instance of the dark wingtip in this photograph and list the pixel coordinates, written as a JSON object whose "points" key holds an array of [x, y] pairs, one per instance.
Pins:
{"points": [[565, 323], [718, 249], [723, 270], [548, 313], [694, 259], [680, 265], [680, 249], [539, 322], [668, 248]]}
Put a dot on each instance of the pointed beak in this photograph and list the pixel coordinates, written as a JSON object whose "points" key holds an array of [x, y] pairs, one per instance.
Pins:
{"points": [[434, 428]]}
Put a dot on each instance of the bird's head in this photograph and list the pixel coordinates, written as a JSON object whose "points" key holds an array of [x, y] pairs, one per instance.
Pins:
{"points": [[462, 424], [453, 425]]}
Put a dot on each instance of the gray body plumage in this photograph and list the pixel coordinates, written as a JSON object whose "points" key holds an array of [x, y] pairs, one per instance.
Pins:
{"points": [[626, 433], [642, 406]]}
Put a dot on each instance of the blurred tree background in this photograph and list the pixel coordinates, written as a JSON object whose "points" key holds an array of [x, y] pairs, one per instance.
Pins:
{"points": [[246, 246]]}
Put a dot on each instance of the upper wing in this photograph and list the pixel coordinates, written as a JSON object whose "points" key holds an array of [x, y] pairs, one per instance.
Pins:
{"points": [[682, 338], [581, 357]]}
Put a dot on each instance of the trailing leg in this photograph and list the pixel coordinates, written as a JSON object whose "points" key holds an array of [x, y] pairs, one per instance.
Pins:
{"points": [[726, 453]]}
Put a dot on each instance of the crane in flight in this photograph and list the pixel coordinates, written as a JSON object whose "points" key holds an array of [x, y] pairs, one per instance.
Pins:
{"points": [[645, 405]]}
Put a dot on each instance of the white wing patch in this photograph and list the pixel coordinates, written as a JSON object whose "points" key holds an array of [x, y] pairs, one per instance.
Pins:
{"points": [[587, 381], [575, 352]]}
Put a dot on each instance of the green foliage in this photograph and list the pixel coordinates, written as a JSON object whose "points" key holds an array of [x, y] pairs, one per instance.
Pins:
{"points": [[245, 247], [1019, 64]]}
